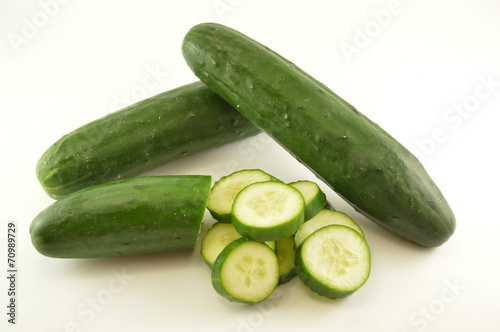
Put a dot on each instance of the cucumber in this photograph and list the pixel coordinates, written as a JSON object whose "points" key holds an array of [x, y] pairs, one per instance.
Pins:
{"points": [[268, 211], [246, 271], [325, 218], [366, 166], [140, 137], [217, 237], [285, 250], [314, 198], [334, 261], [223, 192], [142, 215]]}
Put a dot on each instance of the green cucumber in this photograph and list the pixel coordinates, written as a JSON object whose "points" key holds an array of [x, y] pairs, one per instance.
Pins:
{"points": [[268, 211], [139, 138], [334, 261], [285, 250], [223, 192], [217, 237], [358, 159], [324, 218], [142, 215], [246, 271], [314, 198]]}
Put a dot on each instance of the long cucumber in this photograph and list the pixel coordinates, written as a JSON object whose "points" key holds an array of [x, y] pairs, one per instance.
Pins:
{"points": [[141, 137], [142, 215], [366, 166]]}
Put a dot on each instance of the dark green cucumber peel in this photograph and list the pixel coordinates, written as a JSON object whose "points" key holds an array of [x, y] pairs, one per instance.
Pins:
{"points": [[142, 215], [359, 160], [139, 138]]}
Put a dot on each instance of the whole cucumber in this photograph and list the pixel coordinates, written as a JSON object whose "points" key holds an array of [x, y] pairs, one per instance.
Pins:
{"points": [[142, 215], [141, 137], [358, 159]]}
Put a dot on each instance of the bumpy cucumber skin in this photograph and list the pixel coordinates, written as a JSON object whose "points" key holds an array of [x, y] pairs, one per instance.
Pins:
{"points": [[142, 215], [139, 138], [371, 170]]}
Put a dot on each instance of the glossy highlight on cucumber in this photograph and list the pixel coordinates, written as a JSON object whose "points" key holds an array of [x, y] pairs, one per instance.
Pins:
{"points": [[139, 138], [138, 216], [365, 165]]}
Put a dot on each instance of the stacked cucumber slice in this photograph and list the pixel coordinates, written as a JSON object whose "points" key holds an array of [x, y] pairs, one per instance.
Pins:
{"points": [[267, 232]]}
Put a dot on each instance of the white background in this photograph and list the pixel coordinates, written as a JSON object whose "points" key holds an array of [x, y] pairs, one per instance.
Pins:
{"points": [[408, 65]]}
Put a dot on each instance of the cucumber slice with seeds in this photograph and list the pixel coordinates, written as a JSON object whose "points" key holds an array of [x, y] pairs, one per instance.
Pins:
{"points": [[246, 271], [217, 237], [268, 211], [325, 218], [285, 249], [334, 261], [314, 198], [224, 191]]}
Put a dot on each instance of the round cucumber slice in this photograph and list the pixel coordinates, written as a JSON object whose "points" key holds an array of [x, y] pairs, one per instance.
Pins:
{"points": [[268, 211], [324, 218], [314, 198], [217, 237], [334, 261], [246, 271], [285, 250], [224, 191]]}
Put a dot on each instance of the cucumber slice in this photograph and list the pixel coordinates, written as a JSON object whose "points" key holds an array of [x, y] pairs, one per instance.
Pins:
{"points": [[224, 191], [268, 211], [334, 261], [325, 218], [285, 250], [246, 271], [329, 206], [217, 237], [314, 198]]}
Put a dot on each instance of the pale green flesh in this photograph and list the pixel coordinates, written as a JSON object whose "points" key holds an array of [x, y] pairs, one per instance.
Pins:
{"points": [[337, 257], [224, 191], [267, 204], [309, 190], [250, 272], [325, 218], [314, 198], [217, 238]]}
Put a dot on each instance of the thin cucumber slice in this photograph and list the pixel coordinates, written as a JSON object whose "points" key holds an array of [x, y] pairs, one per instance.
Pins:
{"points": [[217, 237], [224, 191], [246, 271], [285, 249], [334, 261], [268, 211], [324, 218], [314, 198]]}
